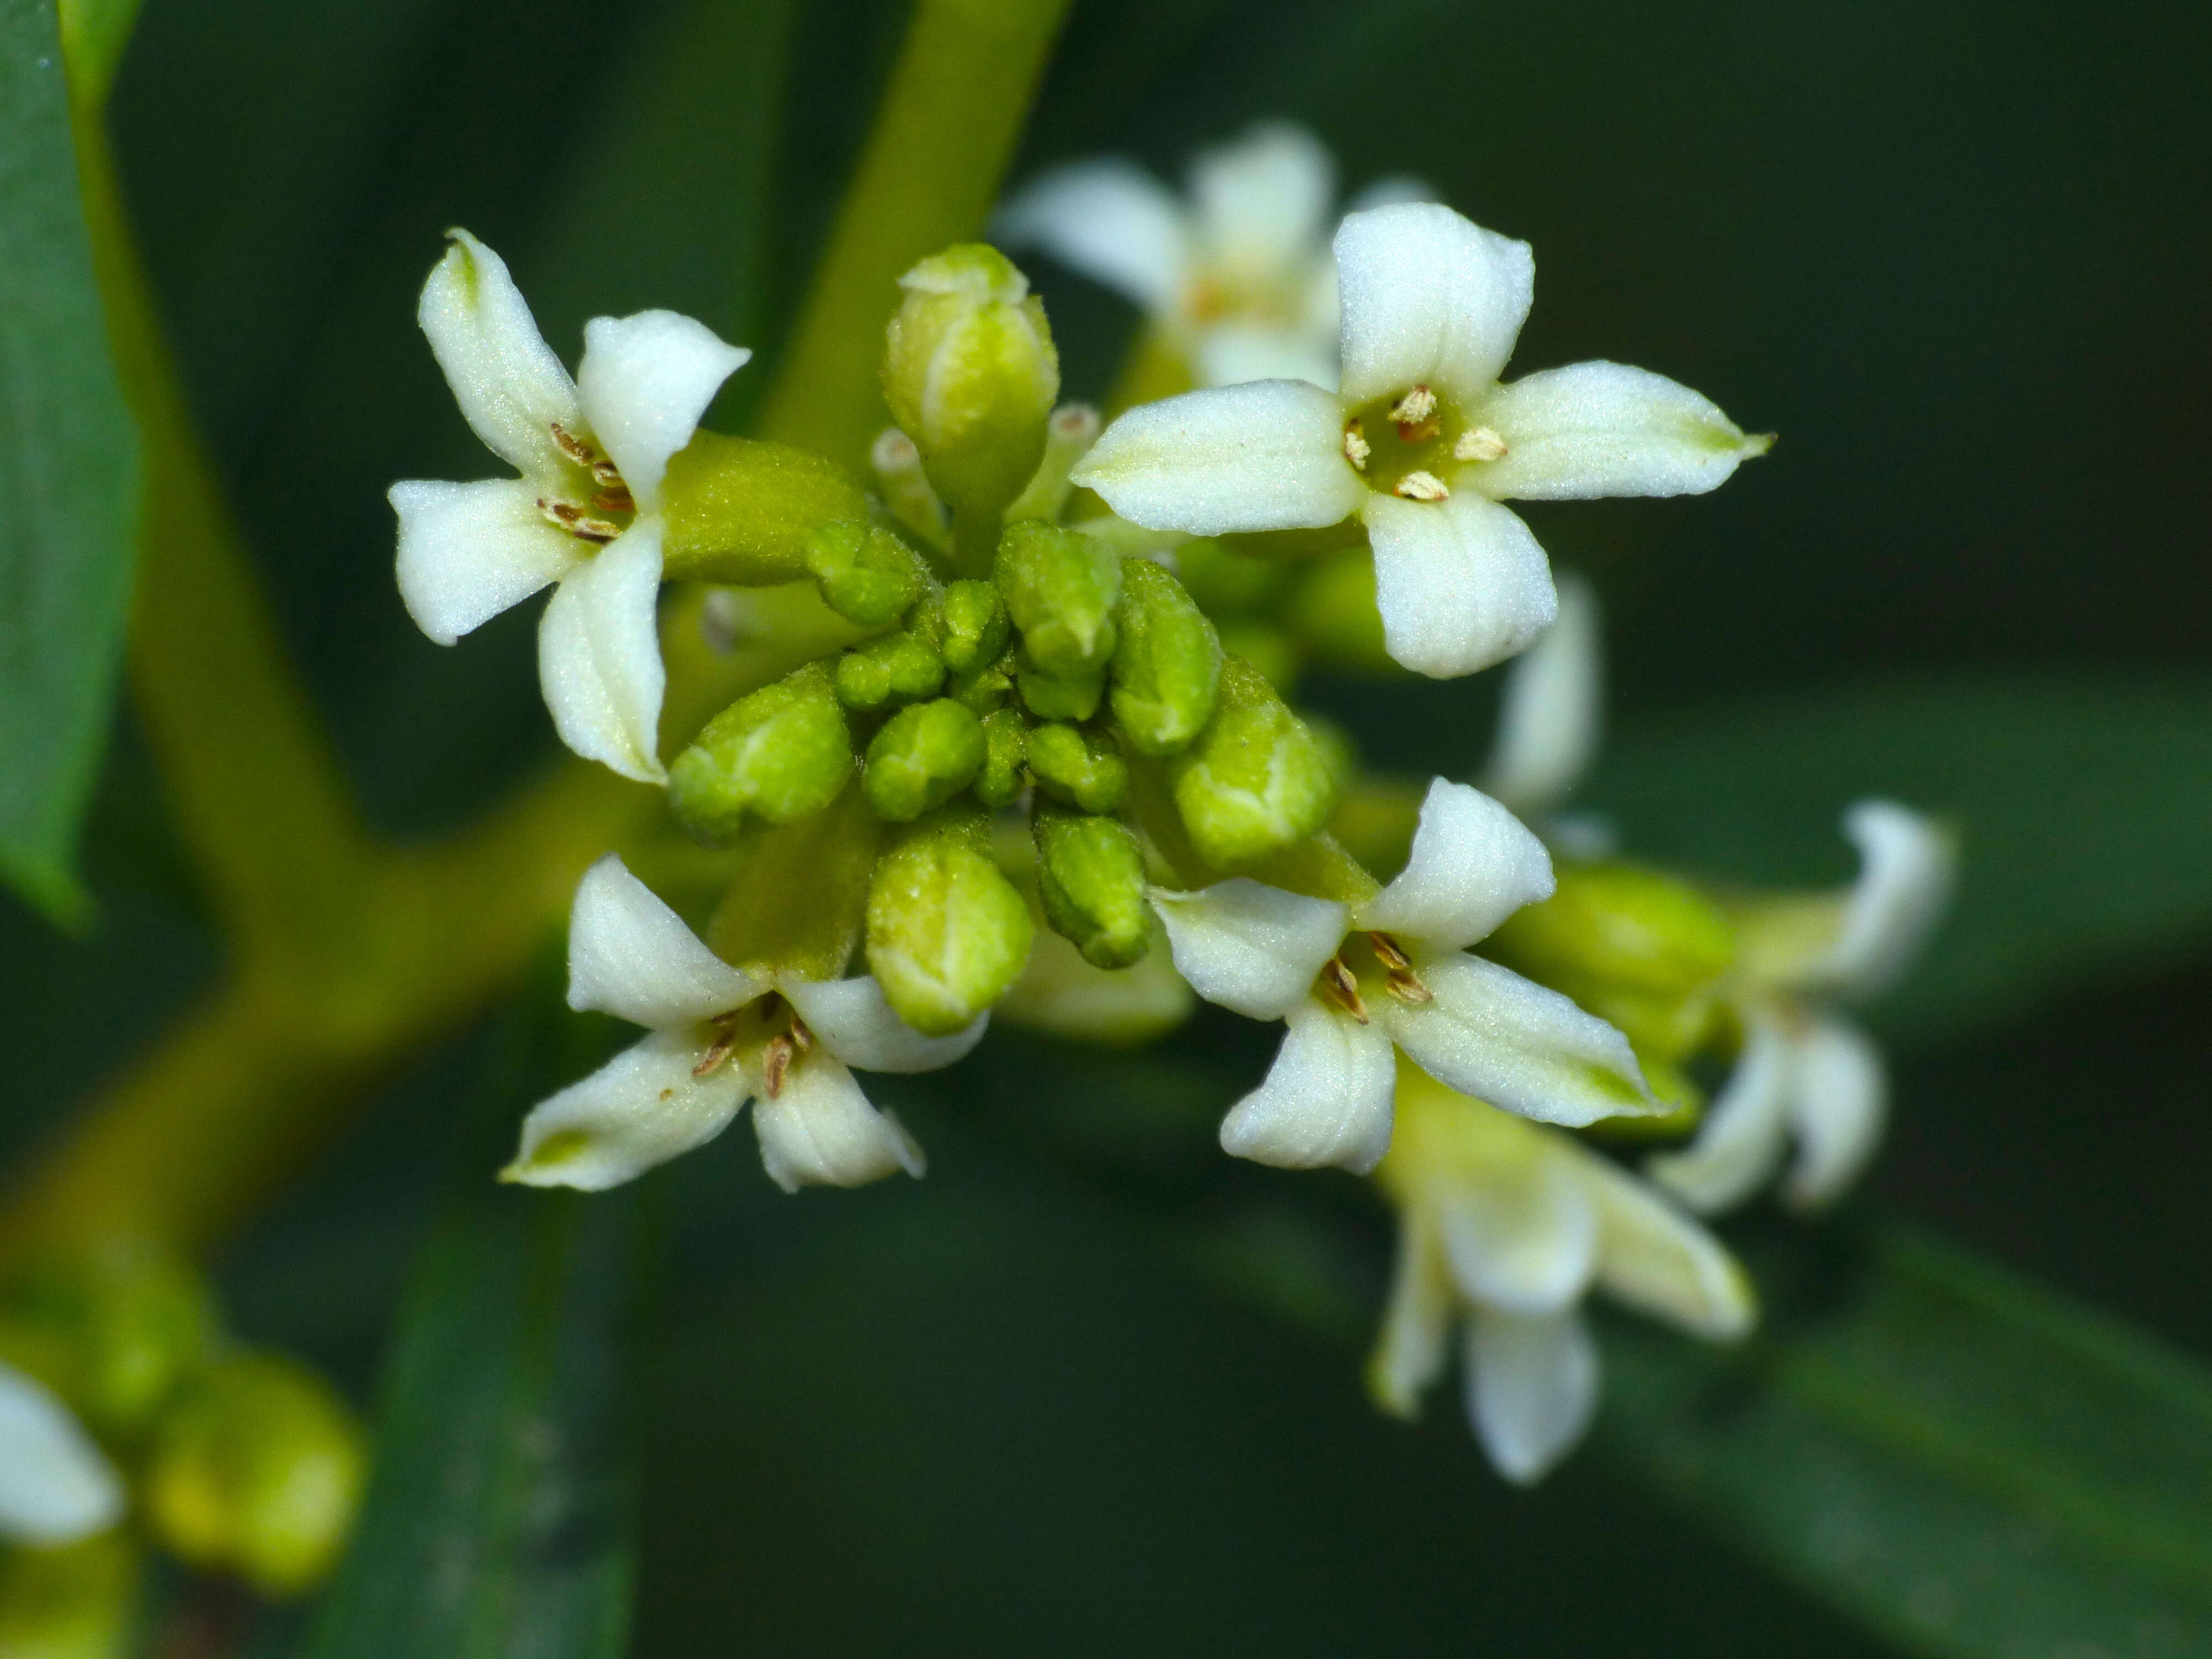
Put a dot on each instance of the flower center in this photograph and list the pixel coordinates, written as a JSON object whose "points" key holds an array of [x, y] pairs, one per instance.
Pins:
{"points": [[1219, 293], [1411, 443], [597, 508], [1369, 965], [770, 1026]]}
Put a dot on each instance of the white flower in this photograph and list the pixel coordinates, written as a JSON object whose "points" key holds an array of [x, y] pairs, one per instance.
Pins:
{"points": [[56, 1485], [584, 513], [1422, 443], [1507, 1226], [1806, 1073], [719, 1038], [1239, 279], [1354, 982]]}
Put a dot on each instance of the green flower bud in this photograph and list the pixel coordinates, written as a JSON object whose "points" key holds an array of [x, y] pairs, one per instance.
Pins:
{"points": [[113, 1331], [975, 625], [970, 373], [1168, 666], [800, 897], [1090, 876], [947, 932], [257, 1470], [867, 575], [1255, 782], [1069, 437], [986, 688], [893, 668], [1061, 588], [1331, 612], [1221, 580], [1049, 697], [75, 1602], [905, 488], [922, 758], [1085, 772], [1006, 748], [781, 754], [741, 511]]}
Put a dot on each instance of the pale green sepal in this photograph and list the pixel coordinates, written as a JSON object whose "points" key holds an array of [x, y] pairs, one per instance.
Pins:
{"points": [[947, 932], [779, 754], [1255, 782], [923, 757], [1090, 876], [1085, 772], [1167, 668], [741, 511], [1061, 588]]}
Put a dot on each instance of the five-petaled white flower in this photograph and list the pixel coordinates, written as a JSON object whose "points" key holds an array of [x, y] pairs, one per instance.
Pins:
{"points": [[1354, 982], [719, 1038], [584, 513], [1422, 443], [1239, 280], [1806, 1073], [1507, 1227], [56, 1485]]}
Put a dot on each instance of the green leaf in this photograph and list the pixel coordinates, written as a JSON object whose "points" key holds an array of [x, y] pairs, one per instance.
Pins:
{"points": [[1966, 1463], [498, 1518], [2083, 801], [94, 34], [68, 471]]}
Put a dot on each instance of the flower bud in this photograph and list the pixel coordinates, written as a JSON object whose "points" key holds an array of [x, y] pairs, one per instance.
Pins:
{"points": [[741, 511], [984, 689], [922, 758], [1049, 697], [1090, 875], [257, 1470], [1006, 748], [975, 625], [1069, 434], [798, 899], [74, 1602], [113, 1331], [1085, 772], [1255, 782], [893, 668], [1167, 667], [867, 574], [1061, 588], [780, 754], [969, 372], [947, 932], [905, 489]]}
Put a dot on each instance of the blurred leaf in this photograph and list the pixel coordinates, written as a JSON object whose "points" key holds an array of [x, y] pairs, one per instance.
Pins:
{"points": [[2083, 802], [94, 35], [1969, 1464], [498, 1519], [69, 469]]}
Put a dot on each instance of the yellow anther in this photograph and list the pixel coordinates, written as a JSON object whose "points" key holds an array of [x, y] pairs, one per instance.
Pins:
{"points": [[1357, 449], [1423, 487], [1478, 443], [1341, 988]]}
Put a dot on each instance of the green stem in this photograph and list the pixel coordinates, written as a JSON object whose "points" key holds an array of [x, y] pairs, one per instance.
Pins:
{"points": [[942, 142]]}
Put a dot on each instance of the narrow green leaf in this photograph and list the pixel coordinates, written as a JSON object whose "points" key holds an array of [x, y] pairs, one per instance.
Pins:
{"points": [[1966, 1463], [68, 471], [498, 1520], [94, 34], [2083, 801]]}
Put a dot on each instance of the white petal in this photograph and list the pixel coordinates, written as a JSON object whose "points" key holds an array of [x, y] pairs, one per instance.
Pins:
{"points": [[1249, 947], [1906, 866], [56, 1485], [1552, 712], [1532, 1387], [819, 1130], [1110, 220], [512, 389], [1262, 202], [630, 956], [598, 656], [1062, 995], [645, 1106], [645, 381], [1429, 299], [1327, 1099], [1267, 456], [856, 1024], [1389, 191], [467, 551], [1841, 1104], [1606, 429], [1473, 864], [1491, 1034], [1525, 1241], [1660, 1261], [1741, 1139], [1409, 1351], [1461, 584], [1230, 353]]}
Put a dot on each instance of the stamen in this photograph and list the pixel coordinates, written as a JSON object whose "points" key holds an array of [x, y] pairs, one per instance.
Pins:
{"points": [[605, 472], [1405, 985], [725, 1038], [1388, 950], [1423, 487], [617, 500], [1478, 443], [801, 1038], [1357, 449], [776, 1063], [579, 524], [1415, 415], [573, 446], [1343, 989]]}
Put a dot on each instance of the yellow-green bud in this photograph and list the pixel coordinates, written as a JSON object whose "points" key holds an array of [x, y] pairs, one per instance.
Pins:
{"points": [[1167, 667], [75, 1602], [1255, 782], [893, 668], [112, 1330], [1090, 876], [1049, 697], [1006, 748], [741, 511], [922, 758], [867, 574], [986, 688], [779, 754], [975, 626], [1083, 771], [1061, 588], [257, 1470], [969, 372], [1331, 612], [947, 932]]}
